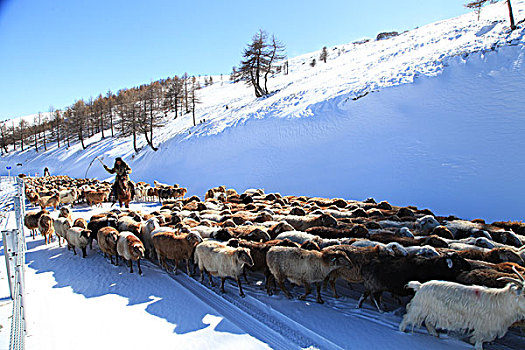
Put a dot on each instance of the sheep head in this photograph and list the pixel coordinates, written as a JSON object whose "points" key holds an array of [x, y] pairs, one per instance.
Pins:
{"points": [[506, 255], [194, 238], [138, 251], [336, 258], [85, 233], [244, 256]]}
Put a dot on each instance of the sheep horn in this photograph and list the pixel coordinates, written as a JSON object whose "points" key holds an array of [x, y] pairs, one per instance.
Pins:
{"points": [[519, 274], [511, 280]]}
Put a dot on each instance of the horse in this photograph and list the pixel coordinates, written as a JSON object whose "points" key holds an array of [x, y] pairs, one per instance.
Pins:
{"points": [[123, 192]]}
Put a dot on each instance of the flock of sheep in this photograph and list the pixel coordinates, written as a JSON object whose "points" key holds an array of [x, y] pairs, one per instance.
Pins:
{"points": [[464, 275]]}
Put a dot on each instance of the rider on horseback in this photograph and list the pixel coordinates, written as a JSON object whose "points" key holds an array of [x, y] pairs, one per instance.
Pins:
{"points": [[122, 170]]}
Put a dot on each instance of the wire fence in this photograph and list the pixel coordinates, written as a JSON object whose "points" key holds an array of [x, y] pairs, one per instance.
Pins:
{"points": [[13, 197]]}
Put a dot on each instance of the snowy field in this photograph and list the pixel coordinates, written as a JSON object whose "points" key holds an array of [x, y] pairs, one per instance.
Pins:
{"points": [[75, 303]]}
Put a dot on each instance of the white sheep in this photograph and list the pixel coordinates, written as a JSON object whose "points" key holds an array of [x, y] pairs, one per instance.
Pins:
{"points": [[146, 229], [68, 196], [426, 251], [78, 237], [217, 259], [298, 237], [129, 247], [393, 248], [61, 226], [426, 224], [488, 312]]}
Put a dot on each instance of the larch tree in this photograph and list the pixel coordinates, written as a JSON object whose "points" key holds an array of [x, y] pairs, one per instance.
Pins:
{"points": [[258, 61]]}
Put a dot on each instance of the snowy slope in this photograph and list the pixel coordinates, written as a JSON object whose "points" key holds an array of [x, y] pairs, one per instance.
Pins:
{"points": [[440, 127]]}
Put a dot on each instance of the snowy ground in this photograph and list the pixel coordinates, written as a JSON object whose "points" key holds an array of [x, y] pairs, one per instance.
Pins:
{"points": [[75, 303]]}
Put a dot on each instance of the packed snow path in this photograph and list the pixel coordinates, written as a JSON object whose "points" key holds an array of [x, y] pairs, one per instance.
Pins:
{"points": [[82, 303]]}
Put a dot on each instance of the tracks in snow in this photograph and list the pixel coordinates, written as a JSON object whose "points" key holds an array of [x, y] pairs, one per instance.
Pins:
{"points": [[256, 318]]}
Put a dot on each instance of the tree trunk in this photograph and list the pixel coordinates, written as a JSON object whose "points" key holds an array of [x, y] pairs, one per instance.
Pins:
{"points": [[58, 133], [102, 123], [14, 137], [36, 140], [111, 120], [511, 15], [81, 138], [193, 110], [176, 105], [44, 133], [133, 124]]}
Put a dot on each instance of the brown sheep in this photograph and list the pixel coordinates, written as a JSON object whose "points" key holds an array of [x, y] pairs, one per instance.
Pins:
{"points": [[303, 267], [80, 222], [46, 227], [484, 277], [359, 256], [31, 221], [107, 238], [96, 197], [49, 201], [302, 223], [169, 245], [65, 212], [495, 255], [33, 197], [355, 231]]}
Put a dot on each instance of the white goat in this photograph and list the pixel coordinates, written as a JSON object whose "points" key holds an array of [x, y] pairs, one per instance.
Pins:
{"points": [[488, 312]]}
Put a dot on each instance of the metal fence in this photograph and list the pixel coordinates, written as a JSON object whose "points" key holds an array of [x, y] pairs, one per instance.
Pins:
{"points": [[14, 252]]}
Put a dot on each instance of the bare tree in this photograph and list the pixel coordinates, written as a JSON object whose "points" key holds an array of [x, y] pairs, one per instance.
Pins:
{"points": [[22, 127], [77, 119], [258, 60], [57, 121], [3, 138], [193, 97], [478, 4]]}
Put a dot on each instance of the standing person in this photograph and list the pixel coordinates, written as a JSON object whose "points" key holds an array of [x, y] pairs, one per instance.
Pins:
{"points": [[46, 172], [122, 169]]}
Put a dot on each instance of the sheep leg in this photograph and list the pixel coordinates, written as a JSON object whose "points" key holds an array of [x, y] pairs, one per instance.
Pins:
{"points": [[188, 267], [376, 298], [319, 299], [211, 280], [176, 269], [241, 293], [74, 251], [222, 284], [84, 252], [269, 280], [116, 260], [307, 290], [110, 258], [130, 266], [138, 264], [431, 330], [332, 286], [280, 282], [362, 299], [202, 275]]}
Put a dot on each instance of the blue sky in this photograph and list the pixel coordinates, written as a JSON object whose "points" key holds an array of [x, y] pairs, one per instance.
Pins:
{"points": [[54, 52]]}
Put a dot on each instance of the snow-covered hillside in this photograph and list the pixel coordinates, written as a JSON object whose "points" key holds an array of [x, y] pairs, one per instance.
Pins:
{"points": [[439, 124]]}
